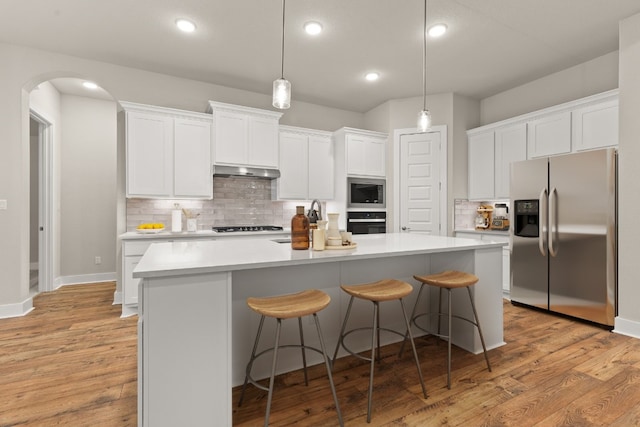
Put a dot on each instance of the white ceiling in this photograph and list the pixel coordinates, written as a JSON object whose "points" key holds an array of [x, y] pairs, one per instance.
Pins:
{"points": [[491, 46]]}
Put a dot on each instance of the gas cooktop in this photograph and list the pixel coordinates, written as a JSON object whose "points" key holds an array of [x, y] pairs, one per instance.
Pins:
{"points": [[232, 229]]}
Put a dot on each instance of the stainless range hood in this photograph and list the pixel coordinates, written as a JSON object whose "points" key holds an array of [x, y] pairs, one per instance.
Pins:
{"points": [[245, 171]]}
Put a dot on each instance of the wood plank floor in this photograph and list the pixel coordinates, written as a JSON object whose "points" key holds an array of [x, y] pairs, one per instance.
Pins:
{"points": [[72, 361]]}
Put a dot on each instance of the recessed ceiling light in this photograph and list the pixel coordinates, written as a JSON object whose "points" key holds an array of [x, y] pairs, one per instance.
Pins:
{"points": [[372, 76], [90, 85], [185, 25], [437, 30], [313, 28]]}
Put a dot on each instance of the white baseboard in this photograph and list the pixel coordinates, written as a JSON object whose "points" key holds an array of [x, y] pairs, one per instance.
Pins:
{"points": [[82, 279], [16, 310], [117, 297], [627, 327]]}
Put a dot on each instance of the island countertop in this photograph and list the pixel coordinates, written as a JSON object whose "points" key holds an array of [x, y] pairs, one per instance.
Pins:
{"points": [[197, 257]]}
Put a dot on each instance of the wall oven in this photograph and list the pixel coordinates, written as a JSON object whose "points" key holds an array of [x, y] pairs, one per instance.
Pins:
{"points": [[367, 222], [366, 193]]}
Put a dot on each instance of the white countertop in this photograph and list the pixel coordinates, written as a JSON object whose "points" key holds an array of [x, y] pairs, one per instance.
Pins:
{"points": [[493, 232], [187, 256]]}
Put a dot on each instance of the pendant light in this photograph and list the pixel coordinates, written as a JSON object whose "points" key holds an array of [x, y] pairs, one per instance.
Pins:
{"points": [[281, 86], [424, 118]]}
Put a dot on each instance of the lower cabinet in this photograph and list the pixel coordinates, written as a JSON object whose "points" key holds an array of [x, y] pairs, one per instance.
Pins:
{"points": [[506, 254]]}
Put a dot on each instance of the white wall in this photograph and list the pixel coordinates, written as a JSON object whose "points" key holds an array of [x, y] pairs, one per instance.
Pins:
{"points": [[25, 68], [88, 186], [588, 78], [628, 320]]}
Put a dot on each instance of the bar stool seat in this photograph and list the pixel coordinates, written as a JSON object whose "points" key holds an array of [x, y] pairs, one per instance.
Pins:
{"points": [[377, 292], [290, 306], [449, 280]]}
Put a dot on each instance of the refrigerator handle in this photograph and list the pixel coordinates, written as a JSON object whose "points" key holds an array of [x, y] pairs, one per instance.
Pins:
{"points": [[553, 221], [542, 222]]}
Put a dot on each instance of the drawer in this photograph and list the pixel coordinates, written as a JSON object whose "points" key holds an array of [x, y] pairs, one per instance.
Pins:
{"points": [[136, 248]]}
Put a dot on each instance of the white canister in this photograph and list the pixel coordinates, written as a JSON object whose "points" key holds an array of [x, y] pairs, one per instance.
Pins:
{"points": [[176, 220], [192, 224], [318, 239]]}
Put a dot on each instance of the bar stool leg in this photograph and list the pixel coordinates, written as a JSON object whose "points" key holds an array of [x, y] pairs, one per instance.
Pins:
{"points": [[373, 353], [448, 340], [304, 355], [413, 346], [344, 326], [329, 369], [273, 373], [411, 320], [250, 364], [475, 315]]}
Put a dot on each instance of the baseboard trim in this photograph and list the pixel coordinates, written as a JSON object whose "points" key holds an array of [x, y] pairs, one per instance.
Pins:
{"points": [[117, 297], [17, 309], [627, 327], [83, 279]]}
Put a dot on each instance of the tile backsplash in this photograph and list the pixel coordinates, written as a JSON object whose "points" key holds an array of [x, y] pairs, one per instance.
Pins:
{"points": [[236, 201]]}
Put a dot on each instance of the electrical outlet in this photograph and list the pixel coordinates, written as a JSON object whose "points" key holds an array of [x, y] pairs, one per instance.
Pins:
{"points": [[98, 260]]}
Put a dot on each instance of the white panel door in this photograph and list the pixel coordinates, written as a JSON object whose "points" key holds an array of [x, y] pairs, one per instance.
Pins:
{"points": [[149, 155], [293, 181], [321, 168], [192, 159], [263, 142], [231, 138], [420, 183]]}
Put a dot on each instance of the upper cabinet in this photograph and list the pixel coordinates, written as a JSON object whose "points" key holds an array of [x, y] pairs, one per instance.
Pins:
{"points": [[306, 164], [585, 124], [245, 136], [168, 152], [364, 151]]}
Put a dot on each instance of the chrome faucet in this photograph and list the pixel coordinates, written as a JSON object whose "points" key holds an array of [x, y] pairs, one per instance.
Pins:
{"points": [[313, 217]]}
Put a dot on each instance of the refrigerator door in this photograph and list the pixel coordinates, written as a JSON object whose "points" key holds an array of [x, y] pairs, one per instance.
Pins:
{"points": [[582, 236], [529, 269]]}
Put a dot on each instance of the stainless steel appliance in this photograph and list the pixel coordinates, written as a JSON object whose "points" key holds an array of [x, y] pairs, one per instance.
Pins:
{"points": [[367, 222], [564, 251], [366, 193], [235, 229]]}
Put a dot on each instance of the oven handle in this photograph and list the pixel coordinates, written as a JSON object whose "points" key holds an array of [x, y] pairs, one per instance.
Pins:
{"points": [[368, 220]]}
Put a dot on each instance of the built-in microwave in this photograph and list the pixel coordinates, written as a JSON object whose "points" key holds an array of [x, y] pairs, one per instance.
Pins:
{"points": [[366, 193]]}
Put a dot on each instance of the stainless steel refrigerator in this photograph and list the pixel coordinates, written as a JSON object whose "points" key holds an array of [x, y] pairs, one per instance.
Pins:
{"points": [[563, 234]]}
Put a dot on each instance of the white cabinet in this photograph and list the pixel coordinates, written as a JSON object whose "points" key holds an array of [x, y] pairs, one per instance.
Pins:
{"points": [[506, 254], [481, 166], [245, 136], [510, 146], [595, 126], [364, 151], [168, 152], [306, 164], [549, 135]]}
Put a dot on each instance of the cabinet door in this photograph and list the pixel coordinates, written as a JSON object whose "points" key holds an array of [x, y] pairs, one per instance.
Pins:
{"points": [[481, 166], [130, 285], [321, 168], [263, 142], [294, 173], [149, 146], [192, 159], [595, 126], [375, 157], [510, 146], [549, 135], [355, 147], [231, 138]]}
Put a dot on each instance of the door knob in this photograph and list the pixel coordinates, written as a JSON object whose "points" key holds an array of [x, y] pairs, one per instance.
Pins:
{"points": [[405, 229]]}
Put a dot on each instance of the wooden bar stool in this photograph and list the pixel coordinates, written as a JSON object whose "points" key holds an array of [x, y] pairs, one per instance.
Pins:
{"points": [[290, 306], [377, 292], [449, 280]]}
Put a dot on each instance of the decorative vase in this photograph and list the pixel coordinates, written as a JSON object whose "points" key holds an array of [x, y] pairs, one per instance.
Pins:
{"points": [[333, 230], [300, 230]]}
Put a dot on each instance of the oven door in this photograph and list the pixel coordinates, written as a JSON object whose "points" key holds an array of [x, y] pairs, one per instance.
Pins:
{"points": [[367, 222]]}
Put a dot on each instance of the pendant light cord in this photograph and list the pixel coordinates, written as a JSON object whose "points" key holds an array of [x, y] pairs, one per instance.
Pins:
{"points": [[424, 58], [282, 55]]}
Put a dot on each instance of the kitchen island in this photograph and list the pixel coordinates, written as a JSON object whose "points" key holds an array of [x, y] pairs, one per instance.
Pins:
{"points": [[195, 331]]}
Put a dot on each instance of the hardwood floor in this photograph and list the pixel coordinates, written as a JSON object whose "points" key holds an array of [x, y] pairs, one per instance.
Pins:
{"points": [[72, 361]]}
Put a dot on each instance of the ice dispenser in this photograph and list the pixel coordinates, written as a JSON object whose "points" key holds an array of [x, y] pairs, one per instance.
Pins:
{"points": [[526, 218]]}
